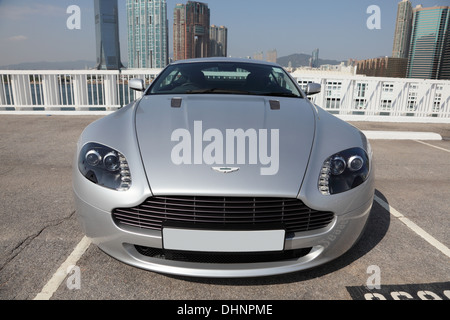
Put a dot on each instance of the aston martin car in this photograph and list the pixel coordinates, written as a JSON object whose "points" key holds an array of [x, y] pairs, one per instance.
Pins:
{"points": [[223, 168]]}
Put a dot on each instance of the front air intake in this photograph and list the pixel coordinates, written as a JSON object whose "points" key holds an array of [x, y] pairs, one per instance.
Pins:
{"points": [[207, 212]]}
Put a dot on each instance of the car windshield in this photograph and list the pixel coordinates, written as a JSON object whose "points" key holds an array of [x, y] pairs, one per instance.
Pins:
{"points": [[225, 78]]}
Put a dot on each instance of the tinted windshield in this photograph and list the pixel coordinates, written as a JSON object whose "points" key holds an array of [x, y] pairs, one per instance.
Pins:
{"points": [[225, 78]]}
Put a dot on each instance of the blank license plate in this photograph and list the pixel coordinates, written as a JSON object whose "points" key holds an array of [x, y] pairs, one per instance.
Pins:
{"points": [[223, 241]]}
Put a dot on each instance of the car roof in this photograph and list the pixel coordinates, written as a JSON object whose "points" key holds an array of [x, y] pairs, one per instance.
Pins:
{"points": [[223, 59]]}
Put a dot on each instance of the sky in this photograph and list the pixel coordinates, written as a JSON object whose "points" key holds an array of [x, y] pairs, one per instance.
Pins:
{"points": [[34, 31]]}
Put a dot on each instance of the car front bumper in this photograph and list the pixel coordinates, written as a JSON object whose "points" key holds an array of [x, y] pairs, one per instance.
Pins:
{"points": [[322, 245]]}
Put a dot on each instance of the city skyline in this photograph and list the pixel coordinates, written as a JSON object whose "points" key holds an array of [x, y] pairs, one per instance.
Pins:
{"points": [[421, 46], [32, 32]]}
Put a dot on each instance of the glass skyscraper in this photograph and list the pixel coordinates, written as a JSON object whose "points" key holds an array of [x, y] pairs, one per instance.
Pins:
{"points": [[148, 42], [314, 62], [107, 35], [429, 54]]}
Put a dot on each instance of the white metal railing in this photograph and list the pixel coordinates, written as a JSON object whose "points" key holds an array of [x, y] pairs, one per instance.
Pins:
{"points": [[93, 90], [374, 96], [75, 90]]}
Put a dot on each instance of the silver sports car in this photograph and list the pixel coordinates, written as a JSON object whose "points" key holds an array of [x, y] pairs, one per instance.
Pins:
{"points": [[223, 168]]}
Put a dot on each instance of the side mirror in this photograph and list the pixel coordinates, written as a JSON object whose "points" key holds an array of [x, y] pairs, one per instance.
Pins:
{"points": [[312, 88], [136, 84]]}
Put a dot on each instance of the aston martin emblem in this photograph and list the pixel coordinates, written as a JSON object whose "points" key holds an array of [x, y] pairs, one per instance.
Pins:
{"points": [[225, 169]]}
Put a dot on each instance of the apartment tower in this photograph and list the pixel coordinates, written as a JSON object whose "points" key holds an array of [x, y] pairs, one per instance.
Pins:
{"points": [[272, 56], [191, 23], [218, 41], [402, 35], [148, 42]]}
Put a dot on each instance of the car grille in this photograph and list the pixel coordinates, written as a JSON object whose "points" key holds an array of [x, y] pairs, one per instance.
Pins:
{"points": [[207, 212]]}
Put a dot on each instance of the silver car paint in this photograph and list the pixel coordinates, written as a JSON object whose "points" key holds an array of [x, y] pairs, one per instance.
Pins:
{"points": [[327, 133], [294, 119]]}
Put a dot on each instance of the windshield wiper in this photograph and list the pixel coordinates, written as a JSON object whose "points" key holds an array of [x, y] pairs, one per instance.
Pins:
{"points": [[282, 94]]}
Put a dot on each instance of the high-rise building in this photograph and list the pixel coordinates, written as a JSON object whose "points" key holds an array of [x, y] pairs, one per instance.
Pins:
{"points": [[107, 35], [429, 53], [179, 32], [148, 39], [402, 35], [218, 37], [191, 30], [272, 56], [314, 62], [258, 55]]}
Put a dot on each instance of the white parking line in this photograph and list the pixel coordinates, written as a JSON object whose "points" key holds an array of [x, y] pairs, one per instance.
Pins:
{"points": [[401, 135], [414, 227], [436, 147], [60, 274]]}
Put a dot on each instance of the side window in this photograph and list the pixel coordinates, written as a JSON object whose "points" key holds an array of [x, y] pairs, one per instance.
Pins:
{"points": [[168, 82], [170, 78], [280, 79], [272, 80]]}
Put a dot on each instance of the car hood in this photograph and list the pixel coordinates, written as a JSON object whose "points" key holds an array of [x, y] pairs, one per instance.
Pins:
{"points": [[225, 144]]}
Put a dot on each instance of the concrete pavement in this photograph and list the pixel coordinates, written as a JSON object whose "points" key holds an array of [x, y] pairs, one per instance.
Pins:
{"points": [[39, 230]]}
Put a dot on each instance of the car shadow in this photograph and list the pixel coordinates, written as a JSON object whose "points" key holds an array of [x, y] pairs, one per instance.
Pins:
{"points": [[375, 230]]}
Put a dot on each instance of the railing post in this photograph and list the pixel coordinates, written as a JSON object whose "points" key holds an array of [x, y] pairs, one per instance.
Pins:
{"points": [[50, 91], [372, 97], [80, 91], [111, 92], [3, 99], [445, 101], [400, 98], [21, 90], [423, 99], [346, 97]]}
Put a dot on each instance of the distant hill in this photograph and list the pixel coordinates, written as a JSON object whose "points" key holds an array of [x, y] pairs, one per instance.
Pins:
{"points": [[297, 60], [302, 60], [45, 65]]}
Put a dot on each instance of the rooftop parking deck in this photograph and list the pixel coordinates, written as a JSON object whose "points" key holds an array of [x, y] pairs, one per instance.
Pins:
{"points": [[39, 229]]}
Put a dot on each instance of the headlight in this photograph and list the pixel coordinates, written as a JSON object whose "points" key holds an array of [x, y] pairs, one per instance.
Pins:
{"points": [[104, 166], [343, 171]]}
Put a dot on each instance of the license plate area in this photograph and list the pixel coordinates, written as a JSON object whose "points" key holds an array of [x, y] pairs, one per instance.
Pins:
{"points": [[223, 240]]}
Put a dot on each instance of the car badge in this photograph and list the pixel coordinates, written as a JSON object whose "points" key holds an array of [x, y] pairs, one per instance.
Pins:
{"points": [[225, 169]]}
